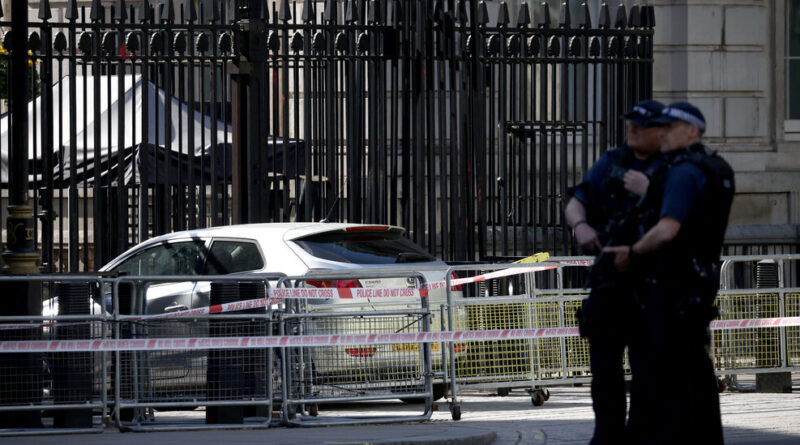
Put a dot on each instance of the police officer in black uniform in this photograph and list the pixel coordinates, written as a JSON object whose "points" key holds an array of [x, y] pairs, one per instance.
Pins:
{"points": [[684, 246], [596, 211]]}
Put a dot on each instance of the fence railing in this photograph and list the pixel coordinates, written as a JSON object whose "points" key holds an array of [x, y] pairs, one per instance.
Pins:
{"points": [[146, 119]]}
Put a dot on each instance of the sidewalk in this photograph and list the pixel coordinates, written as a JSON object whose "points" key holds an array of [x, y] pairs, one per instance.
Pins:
{"points": [[567, 418]]}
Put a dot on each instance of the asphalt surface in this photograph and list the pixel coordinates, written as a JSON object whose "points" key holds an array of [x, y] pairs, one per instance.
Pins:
{"points": [[566, 418]]}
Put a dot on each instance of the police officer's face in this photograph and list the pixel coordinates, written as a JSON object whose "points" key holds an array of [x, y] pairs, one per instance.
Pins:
{"points": [[643, 139], [679, 134]]}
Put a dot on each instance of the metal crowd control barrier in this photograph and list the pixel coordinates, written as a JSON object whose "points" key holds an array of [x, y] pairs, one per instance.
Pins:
{"points": [[516, 302], [344, 373], [753, 287], [94, 388], [335, 358], [69, 387], [231, 383]]}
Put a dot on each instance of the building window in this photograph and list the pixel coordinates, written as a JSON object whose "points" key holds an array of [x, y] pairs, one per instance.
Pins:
{"points": [[792, 57]]}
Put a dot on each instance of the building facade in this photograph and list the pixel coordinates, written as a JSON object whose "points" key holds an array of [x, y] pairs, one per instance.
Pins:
{"points": [[739, 61]]}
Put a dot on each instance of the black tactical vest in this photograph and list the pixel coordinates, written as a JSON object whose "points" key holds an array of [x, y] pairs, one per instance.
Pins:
{"points": [[703, 232], [607, 209]]}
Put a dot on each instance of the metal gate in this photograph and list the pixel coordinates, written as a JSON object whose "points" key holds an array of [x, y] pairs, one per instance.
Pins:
{"points": [[150, 117]]}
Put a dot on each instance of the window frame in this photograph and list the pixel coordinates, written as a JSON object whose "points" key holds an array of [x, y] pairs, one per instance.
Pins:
{"points": [[790, 127], [164, 246], [213, 240]]}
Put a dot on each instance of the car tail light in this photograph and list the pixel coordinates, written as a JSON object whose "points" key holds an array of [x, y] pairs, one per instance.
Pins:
{"points": [[454, 276], [339, 284], [459, 347], [360, 352], [367, 229]]}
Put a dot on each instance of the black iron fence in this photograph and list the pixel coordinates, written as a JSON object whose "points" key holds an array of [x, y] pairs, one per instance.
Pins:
{"points": [[147, 118]]}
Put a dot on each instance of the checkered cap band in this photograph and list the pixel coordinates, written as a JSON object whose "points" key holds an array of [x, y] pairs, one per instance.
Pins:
{"points": [[685, 116]]}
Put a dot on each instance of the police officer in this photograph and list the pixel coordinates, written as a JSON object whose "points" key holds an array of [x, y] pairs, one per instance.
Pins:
{"points": [[684, 245], [608, 194]]}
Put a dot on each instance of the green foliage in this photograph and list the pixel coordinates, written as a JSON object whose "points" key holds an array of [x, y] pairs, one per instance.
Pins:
{"points": [[33, 76]]}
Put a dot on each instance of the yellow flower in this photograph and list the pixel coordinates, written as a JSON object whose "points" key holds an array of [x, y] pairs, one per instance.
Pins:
{"points": [[30, 61], [4, 52]]}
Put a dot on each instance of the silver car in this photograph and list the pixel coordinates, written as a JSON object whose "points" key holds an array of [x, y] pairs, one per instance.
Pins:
{"points": [[293, 249]]}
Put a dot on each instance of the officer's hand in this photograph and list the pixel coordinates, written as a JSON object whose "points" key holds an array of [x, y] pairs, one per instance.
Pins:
{"points": [[636, 182], [587, 238], [621, 259]]}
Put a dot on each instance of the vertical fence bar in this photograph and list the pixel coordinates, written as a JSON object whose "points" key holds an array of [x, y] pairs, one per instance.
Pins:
{"points": [[45, 188], [72, 193]]}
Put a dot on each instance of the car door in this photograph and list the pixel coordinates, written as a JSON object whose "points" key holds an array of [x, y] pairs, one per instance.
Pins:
{"points": [[182, 257], [227, 256], [224, 256], [166, 370]]}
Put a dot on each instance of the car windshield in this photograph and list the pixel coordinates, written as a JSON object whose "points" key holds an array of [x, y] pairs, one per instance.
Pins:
{"points": [[364, 248]]}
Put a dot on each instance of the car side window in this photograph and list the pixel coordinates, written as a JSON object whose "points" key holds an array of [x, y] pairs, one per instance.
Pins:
{"points": [[181, 258], [233, 256]]}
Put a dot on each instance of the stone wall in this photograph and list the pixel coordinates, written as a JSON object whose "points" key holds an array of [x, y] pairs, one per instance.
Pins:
{"points": [[726, 56]]}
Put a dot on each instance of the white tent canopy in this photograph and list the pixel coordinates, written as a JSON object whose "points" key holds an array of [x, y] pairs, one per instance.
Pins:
{"points": [[174, 133]]}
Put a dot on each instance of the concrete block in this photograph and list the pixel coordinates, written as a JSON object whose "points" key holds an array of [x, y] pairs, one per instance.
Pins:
{"points": [[775, 382], [705, 24], [760, 208], [766, 182], [745, 162], [702, 69], [670, 25], [688, 25], [785, 159], [740, 145], [743, 71], [745, 117], [745, 25], [669, 72], [725, 71]]}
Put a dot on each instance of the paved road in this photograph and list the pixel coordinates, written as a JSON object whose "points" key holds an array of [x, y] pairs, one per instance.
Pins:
{"points": [[567, 418]]}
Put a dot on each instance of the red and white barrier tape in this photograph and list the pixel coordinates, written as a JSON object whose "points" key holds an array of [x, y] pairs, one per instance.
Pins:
{"points": [[278, 295], [776, 322], [335, 293], [332, 340], [496, 274]]}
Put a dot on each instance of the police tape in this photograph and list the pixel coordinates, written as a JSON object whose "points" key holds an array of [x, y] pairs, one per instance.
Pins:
{"points": [[276, 296], [499, 274], [205, 343], [776, 322]]}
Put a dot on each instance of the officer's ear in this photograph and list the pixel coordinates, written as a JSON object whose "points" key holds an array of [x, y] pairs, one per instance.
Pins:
{"points": [[694, 131]]}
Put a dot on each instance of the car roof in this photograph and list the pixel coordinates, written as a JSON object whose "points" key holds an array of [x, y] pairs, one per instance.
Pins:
{"points": [[287, 231], [261, 232]]}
